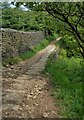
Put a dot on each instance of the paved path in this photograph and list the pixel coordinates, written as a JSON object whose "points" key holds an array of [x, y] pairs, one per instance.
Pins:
{"points": [[28, 94]]}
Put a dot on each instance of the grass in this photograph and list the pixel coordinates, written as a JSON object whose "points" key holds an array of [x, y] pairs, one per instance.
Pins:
{"points": [[29, 54], [66, 79], [34, 50]]}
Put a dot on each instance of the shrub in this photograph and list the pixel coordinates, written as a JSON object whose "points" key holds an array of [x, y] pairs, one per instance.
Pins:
{"points": [[66, 78]]}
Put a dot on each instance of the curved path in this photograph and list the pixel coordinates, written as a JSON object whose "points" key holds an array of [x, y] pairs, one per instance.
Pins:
{"points": [[27, 95]]}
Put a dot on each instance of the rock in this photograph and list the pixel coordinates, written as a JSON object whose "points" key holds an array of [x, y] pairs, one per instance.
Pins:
{"points": [[27, 105], [40, 89], [36, 86], [36, 104], [39, 92], [23, 105], [7, 66], [9, 69], [45, 115], [20, 108], [31, 93], [30, 112], [12, 67], [34, 97], [6, 113], [45, 106], [29, 96], [54, 112], [32, 117], [46, 89]]}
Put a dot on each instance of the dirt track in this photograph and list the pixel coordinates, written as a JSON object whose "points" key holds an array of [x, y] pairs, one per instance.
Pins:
{"points": [[26, 91]]}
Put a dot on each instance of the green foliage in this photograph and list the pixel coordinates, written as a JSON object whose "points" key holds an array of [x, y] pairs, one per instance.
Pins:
{"points": [[71, 19], [27, 55], [63, 53], [52, 37], [66, 78], [41, 45], [68, 44], [27, 21]]}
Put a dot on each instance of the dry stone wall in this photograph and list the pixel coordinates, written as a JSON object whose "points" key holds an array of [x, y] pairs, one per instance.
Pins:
{"points": [[16, 42]]}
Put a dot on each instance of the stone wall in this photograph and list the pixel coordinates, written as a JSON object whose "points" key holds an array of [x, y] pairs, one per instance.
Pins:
{"points": [[16, 42]]}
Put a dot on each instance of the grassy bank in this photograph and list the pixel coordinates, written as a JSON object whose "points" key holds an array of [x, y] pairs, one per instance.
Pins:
{"points": [[29, 54], [66, 79]]}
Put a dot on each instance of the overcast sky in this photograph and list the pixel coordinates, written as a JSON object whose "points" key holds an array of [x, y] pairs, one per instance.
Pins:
{"points": [[6, 0], [22, 7]]}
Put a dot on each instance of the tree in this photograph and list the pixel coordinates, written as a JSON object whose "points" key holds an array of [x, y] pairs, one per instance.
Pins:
{"points": [[72, 15], [69, 14]]}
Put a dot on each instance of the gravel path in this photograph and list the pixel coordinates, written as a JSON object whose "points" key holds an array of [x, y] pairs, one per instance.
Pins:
{"points": [[26, 91]]}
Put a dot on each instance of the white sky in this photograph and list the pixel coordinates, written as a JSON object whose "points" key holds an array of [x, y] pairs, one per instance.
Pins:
{"points": [[7, 1], [12, 6], [24, 8]]}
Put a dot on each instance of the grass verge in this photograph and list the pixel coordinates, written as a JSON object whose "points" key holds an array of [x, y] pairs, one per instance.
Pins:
{"points": [[66, 79], [29, 54]]}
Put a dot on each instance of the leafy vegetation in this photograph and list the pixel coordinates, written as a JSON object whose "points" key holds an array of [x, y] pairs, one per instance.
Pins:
{"points": [[66, 78], [71, 19], [27, 21], [68, 19], [69, 46]]}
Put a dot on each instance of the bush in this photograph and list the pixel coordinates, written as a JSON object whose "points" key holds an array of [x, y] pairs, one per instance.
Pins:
{"points": [[70, 45], [66, 78], [52, 37]]}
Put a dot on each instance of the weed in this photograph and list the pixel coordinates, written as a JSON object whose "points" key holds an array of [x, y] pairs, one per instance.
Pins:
{"points": [[67, 78]]}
